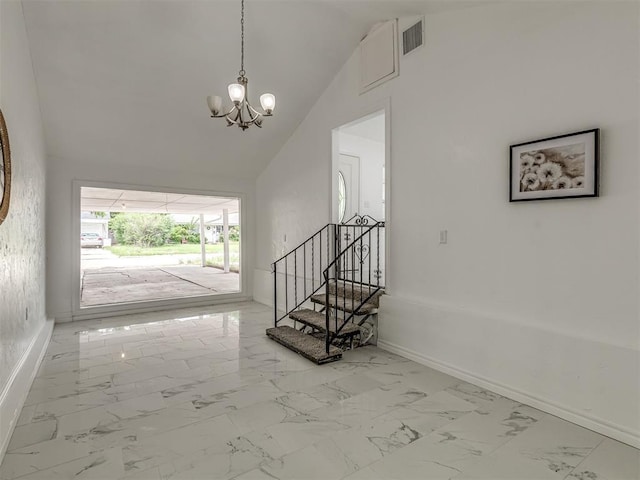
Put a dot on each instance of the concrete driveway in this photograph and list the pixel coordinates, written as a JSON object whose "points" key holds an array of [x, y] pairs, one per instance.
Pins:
{"points": [[109, 279]]}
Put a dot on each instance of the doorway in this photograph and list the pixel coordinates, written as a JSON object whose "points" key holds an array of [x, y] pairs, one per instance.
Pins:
{"points": [[360, 168]]}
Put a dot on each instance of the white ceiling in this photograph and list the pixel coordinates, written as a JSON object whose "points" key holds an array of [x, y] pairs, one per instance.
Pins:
{"points": [[113, 200], [126, 81]]}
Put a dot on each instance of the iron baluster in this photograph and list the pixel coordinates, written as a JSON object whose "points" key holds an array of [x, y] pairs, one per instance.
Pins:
{"points": [[286, 284], [378, 272], [369, 278]]}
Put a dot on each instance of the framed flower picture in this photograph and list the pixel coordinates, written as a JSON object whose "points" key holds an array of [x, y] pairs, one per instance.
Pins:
{"points": [[565, 166]]}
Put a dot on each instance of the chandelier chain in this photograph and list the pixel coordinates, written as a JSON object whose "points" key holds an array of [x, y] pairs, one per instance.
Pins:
{"points": [[242, 72]]}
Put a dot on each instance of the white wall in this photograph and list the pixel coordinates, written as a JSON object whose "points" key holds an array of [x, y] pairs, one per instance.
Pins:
{"points": [[536, 299], [63, 242], [22, 235]]}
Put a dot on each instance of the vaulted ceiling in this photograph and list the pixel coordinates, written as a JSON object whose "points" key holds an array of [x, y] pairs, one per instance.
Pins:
{"points": [[125, 82]]}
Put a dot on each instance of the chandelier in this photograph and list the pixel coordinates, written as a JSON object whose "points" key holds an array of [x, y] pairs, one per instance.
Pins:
{"points": [[242, 113]]}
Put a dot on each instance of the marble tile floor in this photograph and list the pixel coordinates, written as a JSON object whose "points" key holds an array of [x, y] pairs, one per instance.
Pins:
{"points": [[204, 394]]}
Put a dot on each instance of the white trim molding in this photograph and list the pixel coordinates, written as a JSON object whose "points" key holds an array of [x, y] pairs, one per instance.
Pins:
{"points": [[592, 384], [17, 388], [599, 425]]}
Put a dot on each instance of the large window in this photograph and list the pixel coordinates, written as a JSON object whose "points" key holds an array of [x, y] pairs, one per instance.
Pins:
{"points": [[138, 246]]}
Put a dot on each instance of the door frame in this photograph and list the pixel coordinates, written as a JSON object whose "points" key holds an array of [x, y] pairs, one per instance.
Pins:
{"points": [[363, 114]]}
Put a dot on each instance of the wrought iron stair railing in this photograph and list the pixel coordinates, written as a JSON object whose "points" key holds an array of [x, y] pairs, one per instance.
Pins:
{"points": [[353, 285], [336, 257], [309, 259]]}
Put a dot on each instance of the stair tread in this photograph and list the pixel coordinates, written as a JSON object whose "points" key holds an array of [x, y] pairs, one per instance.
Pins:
{"points": [[306, 345], [345, 304], [318, 321], [356, 290]]}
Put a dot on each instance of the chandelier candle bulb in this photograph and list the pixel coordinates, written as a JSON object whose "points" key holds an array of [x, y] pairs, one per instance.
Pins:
{"points": [[236, 93], [268, 102], [215, 104]]}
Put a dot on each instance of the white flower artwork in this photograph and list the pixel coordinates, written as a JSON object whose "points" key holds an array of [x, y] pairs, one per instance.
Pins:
{"points": [[556, 167], [560, 165]]}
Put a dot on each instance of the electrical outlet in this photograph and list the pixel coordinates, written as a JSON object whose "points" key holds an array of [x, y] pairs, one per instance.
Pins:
{"points": [[443, 237]]}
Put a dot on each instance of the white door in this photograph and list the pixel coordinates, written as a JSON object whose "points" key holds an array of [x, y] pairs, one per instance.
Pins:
{"points": [[348, 187]]}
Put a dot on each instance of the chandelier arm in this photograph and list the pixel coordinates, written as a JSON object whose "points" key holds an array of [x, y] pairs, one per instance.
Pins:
{"points": [[253, 113], [262, 114], [228, 114], [237, 119]]}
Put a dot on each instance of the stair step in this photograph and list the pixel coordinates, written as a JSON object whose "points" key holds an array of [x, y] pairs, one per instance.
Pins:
{"points": [[355, 290], [317, 320], [345, 304], [306, 345]]}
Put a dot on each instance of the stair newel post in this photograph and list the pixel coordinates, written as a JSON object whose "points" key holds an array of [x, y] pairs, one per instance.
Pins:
{"points": [[295, 278], [313, 263], [275, 294], [326, 310]]}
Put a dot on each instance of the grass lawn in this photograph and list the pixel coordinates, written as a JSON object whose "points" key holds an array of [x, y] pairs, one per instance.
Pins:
{"points": [[173, 249]]}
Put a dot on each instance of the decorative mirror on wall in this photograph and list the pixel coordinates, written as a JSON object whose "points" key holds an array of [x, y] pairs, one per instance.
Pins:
{"points": [[5, 169]]}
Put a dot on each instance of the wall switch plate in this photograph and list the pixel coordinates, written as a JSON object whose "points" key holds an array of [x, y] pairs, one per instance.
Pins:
{"points": [[443, 237]]}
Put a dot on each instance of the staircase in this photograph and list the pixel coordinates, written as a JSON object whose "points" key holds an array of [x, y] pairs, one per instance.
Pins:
{"points": [[327, 290]]}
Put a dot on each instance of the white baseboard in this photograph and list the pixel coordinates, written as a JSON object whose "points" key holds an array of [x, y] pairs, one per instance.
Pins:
{"points": [[565, 412], [17, 388]]}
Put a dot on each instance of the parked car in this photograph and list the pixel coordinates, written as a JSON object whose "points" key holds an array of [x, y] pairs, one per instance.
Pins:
{"points": [[90, 240]]}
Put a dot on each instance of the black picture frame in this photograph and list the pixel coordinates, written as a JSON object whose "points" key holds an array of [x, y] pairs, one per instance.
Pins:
{"points": [[564, 166]]}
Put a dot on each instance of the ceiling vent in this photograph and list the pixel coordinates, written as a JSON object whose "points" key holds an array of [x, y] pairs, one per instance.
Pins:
{"points": [[413, 37]]}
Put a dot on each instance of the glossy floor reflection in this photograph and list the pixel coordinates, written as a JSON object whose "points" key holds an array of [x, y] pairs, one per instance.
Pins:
{"points": [[203, 394]]}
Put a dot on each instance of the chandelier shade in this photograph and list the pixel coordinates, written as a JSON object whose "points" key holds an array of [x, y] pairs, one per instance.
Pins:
{"points": [[241, 114]]}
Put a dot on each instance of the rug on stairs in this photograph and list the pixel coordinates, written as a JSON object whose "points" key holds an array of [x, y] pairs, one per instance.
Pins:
{"points": [[306, 345]]}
